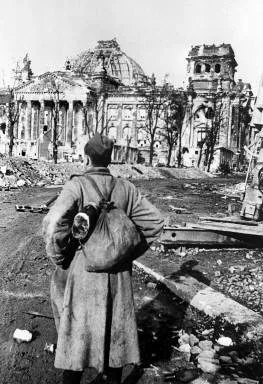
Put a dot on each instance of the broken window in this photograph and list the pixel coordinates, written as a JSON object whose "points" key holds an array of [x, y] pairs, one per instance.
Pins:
{"points": [[112, 112], [22, 133], [2, 111], [207, 67], [112, 132], [46, 117], [127, 113], [3, 127], [198, 68], [209, 113], [141, 113], [45, 128], [217, 68]]}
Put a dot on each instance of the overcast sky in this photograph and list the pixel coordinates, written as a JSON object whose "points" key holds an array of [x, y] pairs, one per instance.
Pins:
{"points": [[156, 33]]}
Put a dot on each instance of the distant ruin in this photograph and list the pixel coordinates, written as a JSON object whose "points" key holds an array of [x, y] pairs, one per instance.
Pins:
{"points": [[211, 73], [98, 89]]}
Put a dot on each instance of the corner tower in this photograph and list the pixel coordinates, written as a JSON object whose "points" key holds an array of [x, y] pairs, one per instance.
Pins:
{"points": [[214, 107], [211, 65]]}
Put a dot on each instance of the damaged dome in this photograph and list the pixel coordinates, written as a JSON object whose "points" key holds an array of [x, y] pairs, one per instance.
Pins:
{"points": [[116, 62]]}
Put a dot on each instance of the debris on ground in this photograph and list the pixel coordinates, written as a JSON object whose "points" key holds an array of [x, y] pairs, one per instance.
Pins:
{"points": [[50, 348], [225, 341], [22, 335], [214, 360], [20, 172], [161, 318], [232, 190]]}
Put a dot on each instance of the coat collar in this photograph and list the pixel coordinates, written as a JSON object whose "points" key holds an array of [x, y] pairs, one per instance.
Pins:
{"points": [[98, 170]]}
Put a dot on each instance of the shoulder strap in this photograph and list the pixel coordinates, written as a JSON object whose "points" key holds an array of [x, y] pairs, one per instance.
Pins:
{"points": [[95, 186]]}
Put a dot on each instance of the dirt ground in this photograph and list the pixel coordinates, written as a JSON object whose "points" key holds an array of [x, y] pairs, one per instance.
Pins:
{"points": [[25, 274]]}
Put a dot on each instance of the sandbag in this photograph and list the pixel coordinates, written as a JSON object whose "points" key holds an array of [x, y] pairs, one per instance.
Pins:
{"points": [[113, 237], [112, 241]]}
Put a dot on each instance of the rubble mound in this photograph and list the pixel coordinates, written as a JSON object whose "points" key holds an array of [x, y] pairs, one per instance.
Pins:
{"points": [[19, 172], [184, 173], [137, 171], [16, 172], [234, 190]]}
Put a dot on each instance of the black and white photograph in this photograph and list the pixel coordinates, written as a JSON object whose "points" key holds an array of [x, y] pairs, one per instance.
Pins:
{"points": [[131, 192]]}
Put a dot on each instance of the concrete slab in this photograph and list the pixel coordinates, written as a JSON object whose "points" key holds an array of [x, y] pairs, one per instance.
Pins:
{"points": [[209, 301]]}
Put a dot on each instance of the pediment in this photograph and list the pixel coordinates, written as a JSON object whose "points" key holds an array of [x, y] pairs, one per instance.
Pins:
{"points": [[51, 82]]}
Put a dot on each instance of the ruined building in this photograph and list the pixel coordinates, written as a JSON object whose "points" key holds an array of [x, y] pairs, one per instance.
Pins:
{"points": [[97, 90], [100, 90], [211, 77]]}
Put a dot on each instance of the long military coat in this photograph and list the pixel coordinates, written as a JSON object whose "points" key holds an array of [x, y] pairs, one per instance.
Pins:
{"points": [[94, 311]]}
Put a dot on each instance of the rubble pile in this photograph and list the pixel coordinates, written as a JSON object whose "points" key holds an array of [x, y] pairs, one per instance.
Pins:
{"points": [[212, 358], [17, 172], [57, 174], [232, 190], [185, 173], [138, 171], [243, 283]]}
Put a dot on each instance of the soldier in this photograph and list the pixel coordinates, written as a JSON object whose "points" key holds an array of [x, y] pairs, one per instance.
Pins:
{"points": [[94, 312]]}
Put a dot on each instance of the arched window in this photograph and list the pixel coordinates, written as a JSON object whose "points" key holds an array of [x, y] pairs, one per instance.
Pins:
{"points": [[22, 133], [207, 67], [198, 68], [217, 68]]}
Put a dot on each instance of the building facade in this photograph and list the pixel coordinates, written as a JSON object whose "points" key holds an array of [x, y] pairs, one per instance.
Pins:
{"points": [[211, 74], [96, 91], [99, 90]]}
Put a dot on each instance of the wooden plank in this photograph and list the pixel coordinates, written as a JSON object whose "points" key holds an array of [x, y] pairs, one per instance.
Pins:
{"points": [[173, 237], [179, 210], [229, 220], [233, 228]]}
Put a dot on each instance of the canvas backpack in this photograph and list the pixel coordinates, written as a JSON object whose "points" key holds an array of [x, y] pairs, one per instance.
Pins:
{"points": [[113, 236]]}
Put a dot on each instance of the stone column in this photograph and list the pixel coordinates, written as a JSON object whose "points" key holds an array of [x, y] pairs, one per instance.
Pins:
{"points": [[35, 129], [230, 111], [28, 120], [83, 123], [134, 125], [16, 130], [69, 123], [90, 117], [33, 134], [119, 123], [32, 123], [190, 120], [41, 117], [75, 123]]}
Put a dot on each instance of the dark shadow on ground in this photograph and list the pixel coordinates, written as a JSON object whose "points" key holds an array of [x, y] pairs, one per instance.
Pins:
{"points": [[187, 269], [158, 324]]}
